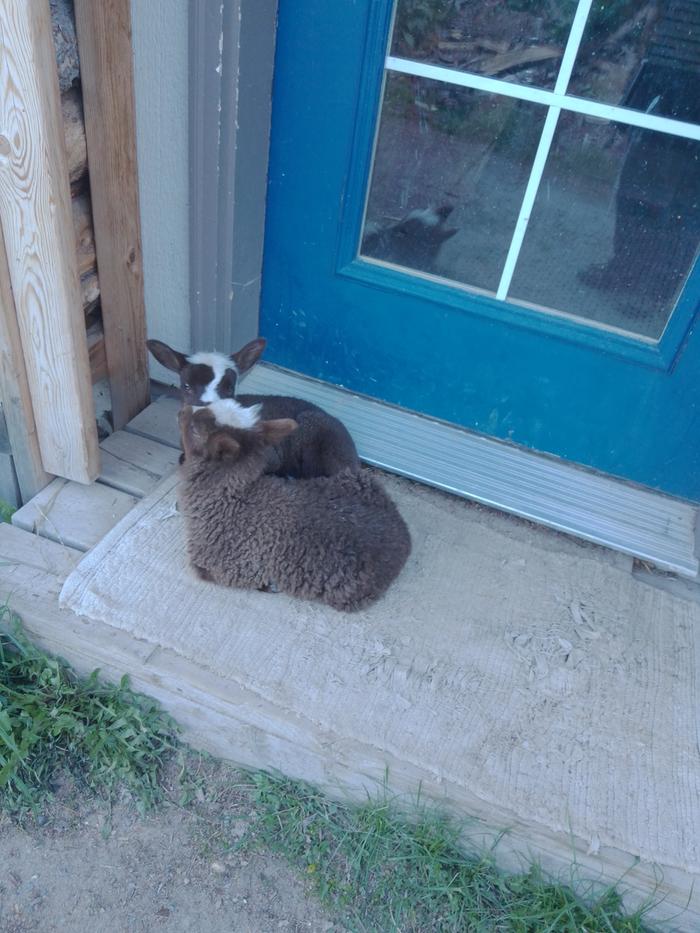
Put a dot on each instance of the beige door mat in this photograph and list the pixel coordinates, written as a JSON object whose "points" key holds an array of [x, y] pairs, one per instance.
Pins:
{"points": [[528, 668]]}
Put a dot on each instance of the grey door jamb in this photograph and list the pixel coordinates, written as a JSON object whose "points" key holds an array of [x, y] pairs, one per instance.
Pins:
{"points": [[231, 58]]}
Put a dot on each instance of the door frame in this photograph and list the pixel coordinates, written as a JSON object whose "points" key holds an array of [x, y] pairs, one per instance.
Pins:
{"points": [[231, 61], [229, 117]]}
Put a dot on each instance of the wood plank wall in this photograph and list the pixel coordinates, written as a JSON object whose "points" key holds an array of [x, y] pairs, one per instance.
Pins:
{"points": [[35, 213], [106, 69]]}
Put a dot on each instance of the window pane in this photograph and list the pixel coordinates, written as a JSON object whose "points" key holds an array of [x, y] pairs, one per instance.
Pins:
{"points": [[450, 170], [645, 56], [615, 228], [517, 40]]}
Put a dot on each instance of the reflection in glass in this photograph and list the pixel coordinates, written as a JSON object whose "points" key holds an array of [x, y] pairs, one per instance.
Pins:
{"points": [[518, 40], [645, 56], [615, 227], [449, 173]]}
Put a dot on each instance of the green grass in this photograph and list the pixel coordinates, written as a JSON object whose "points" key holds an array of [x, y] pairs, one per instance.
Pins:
{"points": [[52, 721], [377, 869], [383, 872], [6, 511]]}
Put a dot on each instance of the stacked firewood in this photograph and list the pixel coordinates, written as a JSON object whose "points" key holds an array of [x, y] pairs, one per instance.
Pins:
{"points": [[76, 150]]}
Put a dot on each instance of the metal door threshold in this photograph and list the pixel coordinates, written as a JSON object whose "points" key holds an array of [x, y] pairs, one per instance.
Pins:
{"points": [[627, 518]]}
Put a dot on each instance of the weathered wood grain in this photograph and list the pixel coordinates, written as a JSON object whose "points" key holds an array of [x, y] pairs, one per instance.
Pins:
{"points": [[15, 395], [104, 42], [135, 464], [35, 213], [75, 515], [21, 547], [159, 422]]}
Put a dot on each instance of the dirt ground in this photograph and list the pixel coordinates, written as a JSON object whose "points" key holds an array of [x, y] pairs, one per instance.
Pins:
{"points": [[175, 870]]}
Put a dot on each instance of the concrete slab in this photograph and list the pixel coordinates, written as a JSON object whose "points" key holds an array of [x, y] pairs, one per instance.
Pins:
{"points": [[518, 676]]}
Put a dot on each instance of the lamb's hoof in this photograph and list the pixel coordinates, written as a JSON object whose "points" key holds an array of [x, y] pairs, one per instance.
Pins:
{"points": [[181, 459], [203, 574], [268, 588]]}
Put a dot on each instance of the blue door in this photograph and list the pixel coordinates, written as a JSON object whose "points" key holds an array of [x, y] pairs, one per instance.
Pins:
{"points": [[488, 212]]}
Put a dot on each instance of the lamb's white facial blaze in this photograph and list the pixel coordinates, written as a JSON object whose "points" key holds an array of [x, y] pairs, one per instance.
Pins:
{"points": [[232, 414], [218, 364]]}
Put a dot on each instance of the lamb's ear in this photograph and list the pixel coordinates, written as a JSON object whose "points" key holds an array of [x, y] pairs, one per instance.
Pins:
{"points": [[274, 431], [221, 445], [166, 356], [195, 426], [249, 355]]}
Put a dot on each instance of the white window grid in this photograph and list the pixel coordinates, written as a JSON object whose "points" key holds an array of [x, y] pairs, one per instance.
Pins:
{"points": [[555, 101]]}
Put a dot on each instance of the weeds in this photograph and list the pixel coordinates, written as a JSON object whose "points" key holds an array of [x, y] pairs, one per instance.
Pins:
{"points": [[385, 873], [6, 511], [51, 720]]}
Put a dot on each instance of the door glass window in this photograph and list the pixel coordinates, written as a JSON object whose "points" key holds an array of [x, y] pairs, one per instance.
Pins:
{"points": [[425, 166], [567, 182]]}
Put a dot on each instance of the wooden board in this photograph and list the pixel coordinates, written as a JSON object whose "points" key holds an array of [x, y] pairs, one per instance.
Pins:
{"points": [[104, 44], [74, 515], [15, 395], [135, 464], [35, 214], [18, 546], [158, 422]]}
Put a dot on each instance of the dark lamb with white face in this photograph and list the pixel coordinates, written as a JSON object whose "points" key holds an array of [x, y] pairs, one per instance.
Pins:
{"points": [[321, 446], [206, 377]]}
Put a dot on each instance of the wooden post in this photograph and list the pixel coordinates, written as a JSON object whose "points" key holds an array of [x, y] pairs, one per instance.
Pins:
{"points": [[104, 46], [35, 214], [15, 395]]}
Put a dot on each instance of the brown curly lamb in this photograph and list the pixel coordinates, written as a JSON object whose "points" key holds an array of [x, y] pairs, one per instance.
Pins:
{"points": [[338, 539]]}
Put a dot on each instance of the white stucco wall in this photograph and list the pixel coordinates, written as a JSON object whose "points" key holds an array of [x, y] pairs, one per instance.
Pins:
{"points": [[160, 41]]}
